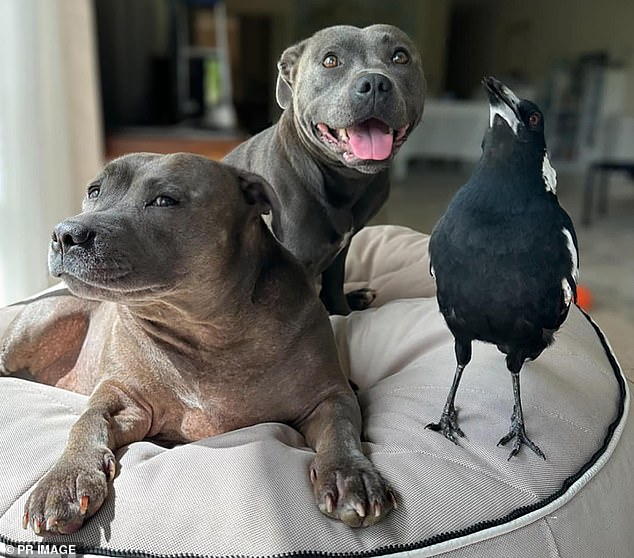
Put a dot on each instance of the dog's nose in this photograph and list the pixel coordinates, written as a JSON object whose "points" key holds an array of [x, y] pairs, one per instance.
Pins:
{"points": [[68, 234], [369, 84]]}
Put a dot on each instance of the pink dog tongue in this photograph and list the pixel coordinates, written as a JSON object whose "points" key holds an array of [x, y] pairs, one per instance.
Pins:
{"points": [[370, 140]]}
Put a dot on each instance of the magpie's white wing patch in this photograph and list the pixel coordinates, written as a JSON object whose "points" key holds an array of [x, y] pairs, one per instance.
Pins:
{"points": [[567, 292], [574, 256], [549, 175]]}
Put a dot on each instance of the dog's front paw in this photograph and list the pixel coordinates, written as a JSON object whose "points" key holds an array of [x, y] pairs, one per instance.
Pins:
{"points": [[350, 489], [72, 491]]}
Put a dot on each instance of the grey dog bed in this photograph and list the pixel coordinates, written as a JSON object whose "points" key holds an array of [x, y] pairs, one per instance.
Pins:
{"points": [[247, 493]]}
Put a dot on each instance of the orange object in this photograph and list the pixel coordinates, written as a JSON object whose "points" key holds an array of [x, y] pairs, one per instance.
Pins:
{"points": [[584, 297]]}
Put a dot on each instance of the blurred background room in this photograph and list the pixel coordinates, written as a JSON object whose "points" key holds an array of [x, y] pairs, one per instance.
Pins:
{"points": [[84, 81]]}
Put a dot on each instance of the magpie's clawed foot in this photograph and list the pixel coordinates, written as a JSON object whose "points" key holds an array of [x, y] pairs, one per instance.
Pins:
{"points": [[519, 437], [447, 426]]}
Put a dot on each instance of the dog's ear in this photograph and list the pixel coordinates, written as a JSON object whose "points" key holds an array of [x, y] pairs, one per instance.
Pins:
{"points": [[287, 68], [257, 191]]}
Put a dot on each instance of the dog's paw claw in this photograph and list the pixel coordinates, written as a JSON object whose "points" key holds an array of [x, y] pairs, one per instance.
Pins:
{"points": [[392, 497], [110, 467], [83, 504], [330, 504]]}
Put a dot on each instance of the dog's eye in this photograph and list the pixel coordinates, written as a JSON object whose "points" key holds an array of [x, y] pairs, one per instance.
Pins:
{"points": [[93, 192], [162, 201], [400, 57], [330, 61], [534, 119]]}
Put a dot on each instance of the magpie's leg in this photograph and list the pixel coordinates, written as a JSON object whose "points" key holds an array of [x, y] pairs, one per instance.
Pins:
{"points": [[448, 424], [517, 432]]}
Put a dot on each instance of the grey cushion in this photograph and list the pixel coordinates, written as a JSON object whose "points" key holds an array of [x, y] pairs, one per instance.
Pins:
{"points": [[247, 492]]}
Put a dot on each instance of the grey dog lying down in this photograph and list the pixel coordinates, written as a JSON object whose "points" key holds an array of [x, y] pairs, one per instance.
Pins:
{"points": [[185, 319]]}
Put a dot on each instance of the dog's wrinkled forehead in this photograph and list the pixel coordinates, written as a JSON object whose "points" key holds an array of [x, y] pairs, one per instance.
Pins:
{"points": [[359, 43], [373, 34], [123, 169], [180, 169], [139, 165]]}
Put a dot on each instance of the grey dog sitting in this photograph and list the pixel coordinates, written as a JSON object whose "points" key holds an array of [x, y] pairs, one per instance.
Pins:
{"points": [[186, 319], [350, 97]]}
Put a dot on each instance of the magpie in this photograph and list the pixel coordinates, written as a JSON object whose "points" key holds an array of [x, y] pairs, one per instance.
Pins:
{"points": [[504, 254]]}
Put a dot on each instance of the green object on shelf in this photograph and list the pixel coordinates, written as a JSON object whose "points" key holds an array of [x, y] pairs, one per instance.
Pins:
{"points": [[212, 82]]}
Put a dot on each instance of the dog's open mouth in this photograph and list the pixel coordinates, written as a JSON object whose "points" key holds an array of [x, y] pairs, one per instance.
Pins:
{"points": [[370, 140]]}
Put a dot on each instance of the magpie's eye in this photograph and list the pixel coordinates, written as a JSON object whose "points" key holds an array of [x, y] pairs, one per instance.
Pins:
{"points": [[330, 61], [162, 201], [534, 118], [400, 57], [93, 191]]}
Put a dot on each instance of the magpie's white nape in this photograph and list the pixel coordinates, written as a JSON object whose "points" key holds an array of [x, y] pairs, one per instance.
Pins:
{"points": [[504, 254]]}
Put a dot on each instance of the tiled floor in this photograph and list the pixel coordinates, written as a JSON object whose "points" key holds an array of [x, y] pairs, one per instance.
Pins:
{"points": [[606, 247]]}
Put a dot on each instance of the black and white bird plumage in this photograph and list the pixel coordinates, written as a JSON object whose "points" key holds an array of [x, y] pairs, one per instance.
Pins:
{"points": [[504, 255]]}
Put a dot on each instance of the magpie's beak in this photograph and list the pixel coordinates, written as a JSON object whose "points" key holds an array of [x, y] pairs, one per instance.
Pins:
{"points": [[498, 92], [501, 99]]}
